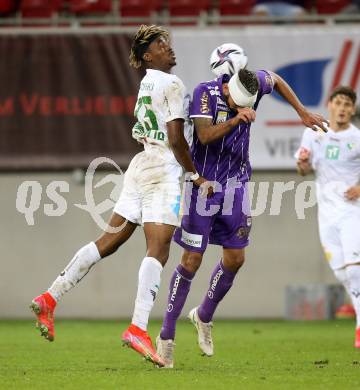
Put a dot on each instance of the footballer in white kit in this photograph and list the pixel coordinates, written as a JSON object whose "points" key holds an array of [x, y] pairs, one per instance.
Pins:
{"points": [[335, 158], [151, 191], [150, 196]]}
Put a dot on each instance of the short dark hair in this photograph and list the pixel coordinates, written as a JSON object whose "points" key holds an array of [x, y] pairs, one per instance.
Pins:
{"points": [[249, 80], [344, 90], [142, 39]]}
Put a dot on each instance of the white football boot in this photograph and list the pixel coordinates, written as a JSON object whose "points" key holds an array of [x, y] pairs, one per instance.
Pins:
{"points": [[204, 332], [165, 349]]}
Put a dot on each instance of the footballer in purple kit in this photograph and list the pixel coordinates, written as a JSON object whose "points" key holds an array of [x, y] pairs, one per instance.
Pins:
{"points": [[222, 111]]}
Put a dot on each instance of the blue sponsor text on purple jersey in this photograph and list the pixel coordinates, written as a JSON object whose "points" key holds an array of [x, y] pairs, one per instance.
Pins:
{"points": [[227, 157]]}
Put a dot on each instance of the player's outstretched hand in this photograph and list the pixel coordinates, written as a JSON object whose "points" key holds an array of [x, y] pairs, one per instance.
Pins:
{"points": [[206, 187], [303, 161], [353, 193], [245, 115], [314, 121]]}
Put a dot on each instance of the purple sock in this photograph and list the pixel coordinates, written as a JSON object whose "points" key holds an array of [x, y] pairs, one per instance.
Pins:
{"points": [[178, 291], [220, 283]]}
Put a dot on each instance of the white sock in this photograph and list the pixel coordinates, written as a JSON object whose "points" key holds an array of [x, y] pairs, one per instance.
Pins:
{"points": [[78, 267], [148, 287], [353, 275]]}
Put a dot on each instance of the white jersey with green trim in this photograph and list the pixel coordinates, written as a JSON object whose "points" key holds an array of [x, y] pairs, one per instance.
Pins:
{"points": [[335, 158], [161, 99]]}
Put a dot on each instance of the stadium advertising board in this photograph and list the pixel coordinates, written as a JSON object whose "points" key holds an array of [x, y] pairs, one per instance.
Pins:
{"points": [[66, 99]]}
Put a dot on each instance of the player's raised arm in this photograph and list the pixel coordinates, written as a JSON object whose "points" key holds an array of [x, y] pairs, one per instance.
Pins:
{"points": [[311, 120], [207, 132]]}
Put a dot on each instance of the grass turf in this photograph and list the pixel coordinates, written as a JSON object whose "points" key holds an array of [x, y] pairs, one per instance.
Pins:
{"points": [[248, 355]]}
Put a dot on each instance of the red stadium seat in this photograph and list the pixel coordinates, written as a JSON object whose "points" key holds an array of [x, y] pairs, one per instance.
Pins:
{"points": [[39, 8], [235, 7], [7, 6], [139, 8], [187, 7], [85, 7], [330, 6]]}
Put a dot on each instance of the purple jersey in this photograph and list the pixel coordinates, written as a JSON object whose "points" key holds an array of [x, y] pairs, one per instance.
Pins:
{"points": [[227, 157]]}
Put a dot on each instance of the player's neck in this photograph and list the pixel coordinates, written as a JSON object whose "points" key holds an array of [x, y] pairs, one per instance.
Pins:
{"points": [[159, 68], [335, 126]]}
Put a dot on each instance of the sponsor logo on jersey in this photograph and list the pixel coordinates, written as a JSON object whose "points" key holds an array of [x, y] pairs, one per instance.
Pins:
{"points": [[332, 152], [269, 80], [221, 117], [204, 103], [194, 240], [213, 92], [350, 146], [146, 86]]}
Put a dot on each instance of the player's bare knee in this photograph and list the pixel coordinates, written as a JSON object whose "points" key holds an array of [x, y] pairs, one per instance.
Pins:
{"points": [[108, 244], [191, 261], [159, 252], [234, 260]]}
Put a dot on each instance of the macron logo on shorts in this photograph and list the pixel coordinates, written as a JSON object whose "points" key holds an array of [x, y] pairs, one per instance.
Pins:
{"points": [[194, 240]]}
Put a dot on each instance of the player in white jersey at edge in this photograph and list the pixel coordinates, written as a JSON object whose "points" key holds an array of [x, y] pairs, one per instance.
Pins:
{"points": [[335, 158], [151, 192]]}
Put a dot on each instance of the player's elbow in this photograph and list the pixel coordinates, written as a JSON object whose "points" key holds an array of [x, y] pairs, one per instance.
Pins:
{"points": [[203, 137]]}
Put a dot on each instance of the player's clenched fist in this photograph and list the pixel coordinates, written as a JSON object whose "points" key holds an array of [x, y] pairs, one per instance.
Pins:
{"points": [[206, 187], [303, 162], [353, 193], [245, 114]]}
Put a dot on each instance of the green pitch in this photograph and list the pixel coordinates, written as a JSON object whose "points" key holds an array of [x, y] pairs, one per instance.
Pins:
{"points": [[248, 355]]}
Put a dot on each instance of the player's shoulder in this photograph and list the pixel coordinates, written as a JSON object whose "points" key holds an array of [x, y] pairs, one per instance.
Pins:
{"points": [[263, 72], [266, 76], [172, 82], [162, 77], [312, 134], [355, 131], [210, 87], [171, 78]]}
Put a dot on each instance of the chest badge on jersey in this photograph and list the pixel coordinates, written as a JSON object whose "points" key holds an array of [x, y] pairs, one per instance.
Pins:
{"points": [[221, 117], [332, 152], [350, 146]]}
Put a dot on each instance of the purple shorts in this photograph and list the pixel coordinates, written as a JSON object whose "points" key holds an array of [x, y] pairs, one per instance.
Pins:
{"points": [[224, 219]]}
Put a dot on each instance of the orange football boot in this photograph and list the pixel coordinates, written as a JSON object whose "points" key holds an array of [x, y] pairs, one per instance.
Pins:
{"points": [[140, 341], [43, 307]]}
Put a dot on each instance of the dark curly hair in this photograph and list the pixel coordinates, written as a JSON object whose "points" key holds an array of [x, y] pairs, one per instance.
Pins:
{"points": [[249, 80], [142, 39]]}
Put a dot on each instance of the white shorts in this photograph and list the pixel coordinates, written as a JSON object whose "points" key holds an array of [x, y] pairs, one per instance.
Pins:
{"points": [[341, 241], [151, 191]]}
